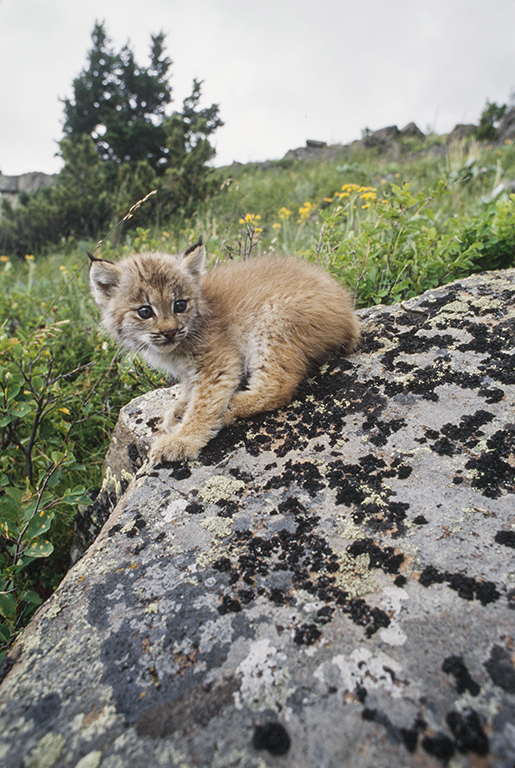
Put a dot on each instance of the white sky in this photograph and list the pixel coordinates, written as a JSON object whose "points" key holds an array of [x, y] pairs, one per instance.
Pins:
{"points": [[282, 71]]}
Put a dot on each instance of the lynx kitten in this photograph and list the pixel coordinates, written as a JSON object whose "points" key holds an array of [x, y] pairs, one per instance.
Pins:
{"points": [[239, 337]]}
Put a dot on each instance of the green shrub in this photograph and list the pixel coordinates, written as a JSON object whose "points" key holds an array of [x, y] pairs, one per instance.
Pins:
{"points": [[390, 249], [61, 386]]}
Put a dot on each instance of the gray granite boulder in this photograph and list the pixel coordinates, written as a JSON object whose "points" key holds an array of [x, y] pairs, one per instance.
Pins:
{"points": [[330, 585]]}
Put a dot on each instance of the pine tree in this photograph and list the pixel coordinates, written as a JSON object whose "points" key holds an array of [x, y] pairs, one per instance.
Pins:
{"points": [[120, 104]]}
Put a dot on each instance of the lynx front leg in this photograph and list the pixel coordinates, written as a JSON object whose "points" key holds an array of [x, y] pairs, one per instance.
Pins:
{"points": [[176, 411], [202, 419]]}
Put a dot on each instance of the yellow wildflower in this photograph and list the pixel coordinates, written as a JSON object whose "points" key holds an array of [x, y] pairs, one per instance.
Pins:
{"points": [[4, 259], [305, 210], [328, 199], [276, 225], [368, 196], [284, 213], [29, 257], [350, 187], [250, 218]]}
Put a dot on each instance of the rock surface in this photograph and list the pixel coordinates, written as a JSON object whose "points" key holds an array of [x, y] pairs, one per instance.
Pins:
{"points": [[329, 586]]}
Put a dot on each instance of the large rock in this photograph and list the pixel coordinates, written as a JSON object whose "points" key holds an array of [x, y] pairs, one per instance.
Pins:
{"points": [[330, 585]]}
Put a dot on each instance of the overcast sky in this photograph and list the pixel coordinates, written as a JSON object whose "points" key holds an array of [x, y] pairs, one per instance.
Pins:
{"points": [[282, 71]]}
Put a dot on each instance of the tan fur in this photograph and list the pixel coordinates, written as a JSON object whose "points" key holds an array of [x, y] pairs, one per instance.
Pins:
{"points": [[264, 321]]}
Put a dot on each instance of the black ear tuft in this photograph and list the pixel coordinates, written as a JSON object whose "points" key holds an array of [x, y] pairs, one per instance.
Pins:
{"points": [[193, 247], [94, 258]]}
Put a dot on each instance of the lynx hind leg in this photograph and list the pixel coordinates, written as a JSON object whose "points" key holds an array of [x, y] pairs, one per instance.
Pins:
{"points": [[270, 386]]}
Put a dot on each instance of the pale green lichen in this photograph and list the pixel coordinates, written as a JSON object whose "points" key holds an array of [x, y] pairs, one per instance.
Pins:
{"points": [[91, 760], [220, 526], [206, 559], [219, 487], [354, 575], [47, 751], [348, 529]]}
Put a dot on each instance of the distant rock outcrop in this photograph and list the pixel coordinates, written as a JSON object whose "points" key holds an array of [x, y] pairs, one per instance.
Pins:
{"points": [[460, 132], [381, 137], [12, 186], [329, 585]]}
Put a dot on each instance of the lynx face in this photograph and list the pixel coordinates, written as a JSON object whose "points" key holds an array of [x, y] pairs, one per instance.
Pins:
{"points": [[152, 303]]}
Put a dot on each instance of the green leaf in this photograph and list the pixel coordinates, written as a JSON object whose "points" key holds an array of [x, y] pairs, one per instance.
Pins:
{"points": [[8, 607], [12, 389], [39, 524], [31, 597], [6, 634], [39, 549], [22, 409]]}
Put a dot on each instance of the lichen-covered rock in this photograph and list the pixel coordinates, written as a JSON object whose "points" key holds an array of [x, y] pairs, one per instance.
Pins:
{"points": [[330, 585]]}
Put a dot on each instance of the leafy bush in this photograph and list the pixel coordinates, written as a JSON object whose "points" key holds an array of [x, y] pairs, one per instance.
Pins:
{"points": [[390, 249], [61, 386]]}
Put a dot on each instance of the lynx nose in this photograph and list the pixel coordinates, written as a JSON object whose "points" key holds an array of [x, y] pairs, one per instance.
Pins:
{"points": [[169, 334]]}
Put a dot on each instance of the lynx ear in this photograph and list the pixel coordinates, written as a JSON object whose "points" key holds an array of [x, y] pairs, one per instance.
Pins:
{"points": [[104, 276], [194, 257]]}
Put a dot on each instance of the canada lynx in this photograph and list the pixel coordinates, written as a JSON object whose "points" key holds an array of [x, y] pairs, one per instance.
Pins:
{"points": [[240, 337]]}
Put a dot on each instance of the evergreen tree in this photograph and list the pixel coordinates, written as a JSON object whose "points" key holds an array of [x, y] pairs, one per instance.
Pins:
{"points": [[120, 104]]}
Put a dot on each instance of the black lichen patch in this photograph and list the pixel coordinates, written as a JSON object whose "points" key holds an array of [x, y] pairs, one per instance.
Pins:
{"points": [[138, 525], [380, 431], [273, 737], [493, 470], [362, 485], [466, 434], [507, 538], [501, 669], [468, 732], [194, 508], [303, 473], [385, 558], [439, 746], [466, 728], [307, 634], [454, 665], [467, 587], [297, 555]]}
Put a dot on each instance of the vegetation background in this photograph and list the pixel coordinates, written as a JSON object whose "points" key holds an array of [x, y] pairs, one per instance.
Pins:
{"points": [[389, 220]]}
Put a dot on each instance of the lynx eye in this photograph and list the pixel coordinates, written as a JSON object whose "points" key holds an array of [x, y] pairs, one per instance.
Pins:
{"points": [[180, 306], [145, 312]]}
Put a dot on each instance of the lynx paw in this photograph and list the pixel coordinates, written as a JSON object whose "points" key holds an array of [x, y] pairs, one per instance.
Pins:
{"points": [[174, 448]]}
